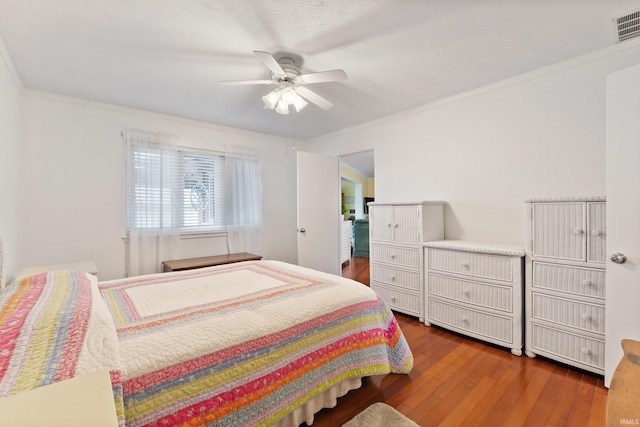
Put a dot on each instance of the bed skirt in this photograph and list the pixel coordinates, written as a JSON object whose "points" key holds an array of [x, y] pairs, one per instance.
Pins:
{"points": [[328, 399]]}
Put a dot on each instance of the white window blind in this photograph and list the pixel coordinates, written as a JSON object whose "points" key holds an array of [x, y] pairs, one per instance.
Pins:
{"points": [[149, 189]]}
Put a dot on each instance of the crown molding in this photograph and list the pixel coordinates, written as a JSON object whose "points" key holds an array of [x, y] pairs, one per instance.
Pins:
{"points": [[145, 113], [4, 53]]}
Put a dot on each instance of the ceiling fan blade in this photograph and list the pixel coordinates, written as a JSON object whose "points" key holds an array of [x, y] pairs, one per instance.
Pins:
{"points": [[270, 62], [324, 76], [311, 96], [245, 82]]}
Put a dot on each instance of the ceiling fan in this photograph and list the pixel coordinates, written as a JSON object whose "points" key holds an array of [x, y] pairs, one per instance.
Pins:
{"points": [[291, 83]]}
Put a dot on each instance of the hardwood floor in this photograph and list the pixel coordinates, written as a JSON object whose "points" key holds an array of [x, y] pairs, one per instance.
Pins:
{"points": [[457, 381], [357, 269]]}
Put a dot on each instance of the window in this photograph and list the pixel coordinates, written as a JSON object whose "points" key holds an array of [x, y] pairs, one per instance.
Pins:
{"points": [[202, 189], [187, 190]]}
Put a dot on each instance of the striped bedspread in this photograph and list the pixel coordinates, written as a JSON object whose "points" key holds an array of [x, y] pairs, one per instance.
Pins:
{"points": [[54, 326], [246, 343]]}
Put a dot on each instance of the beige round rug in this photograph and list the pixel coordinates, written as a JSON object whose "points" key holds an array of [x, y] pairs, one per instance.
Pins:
{"points": [[380, 415]]}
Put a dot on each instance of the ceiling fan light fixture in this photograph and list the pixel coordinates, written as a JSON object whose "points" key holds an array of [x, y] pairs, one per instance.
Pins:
{"points": [[289, 95], [280, 100], [271, 100], [299, 103], [289, 79], [282, 107]]}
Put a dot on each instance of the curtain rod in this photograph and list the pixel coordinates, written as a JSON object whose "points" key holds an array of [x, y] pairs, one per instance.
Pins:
{"points": [[148, 131], [252, 151]]}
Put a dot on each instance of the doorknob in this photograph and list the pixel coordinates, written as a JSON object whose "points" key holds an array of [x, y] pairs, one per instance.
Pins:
{"points": [[618, 258], [302, 230]]}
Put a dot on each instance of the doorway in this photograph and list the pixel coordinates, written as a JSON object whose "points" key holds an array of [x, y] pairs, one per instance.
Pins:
{"points": [[357, 176], [351, 195]]}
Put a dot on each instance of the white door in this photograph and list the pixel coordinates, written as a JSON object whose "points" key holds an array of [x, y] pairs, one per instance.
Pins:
{"points": [[319, 212], [623, 213]]}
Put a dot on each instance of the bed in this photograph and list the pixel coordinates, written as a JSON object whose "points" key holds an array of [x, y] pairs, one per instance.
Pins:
{"points": [[252, 343]]}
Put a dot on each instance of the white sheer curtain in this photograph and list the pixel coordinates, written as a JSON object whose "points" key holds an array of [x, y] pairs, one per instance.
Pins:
{"points": [[243, 201], [152, 212]]}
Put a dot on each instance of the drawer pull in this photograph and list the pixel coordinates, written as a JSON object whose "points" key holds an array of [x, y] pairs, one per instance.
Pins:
{"points": [[393, 278], [466, 292], [393, 299], [465, 265], [596, 232], [395, 225], [586, 316], [586, 351], [393, 256], [578, 231], [587, 282], [465, 320], [389, 225]]}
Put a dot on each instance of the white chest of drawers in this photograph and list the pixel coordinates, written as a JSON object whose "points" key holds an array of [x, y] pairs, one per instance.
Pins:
{"points": [[396, 232], [476, 289], [345, 241], [565, 280]]}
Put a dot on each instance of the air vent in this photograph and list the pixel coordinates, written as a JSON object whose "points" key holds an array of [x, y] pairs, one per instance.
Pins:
{"points": [[628, 26]]}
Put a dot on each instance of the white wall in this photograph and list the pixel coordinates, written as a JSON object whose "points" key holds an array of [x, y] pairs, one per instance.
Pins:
{"points": [[10, 98], [73, 192], [484, 152]]}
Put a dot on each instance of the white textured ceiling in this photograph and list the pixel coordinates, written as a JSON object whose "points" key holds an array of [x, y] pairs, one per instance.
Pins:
{"points": [[362, 162], [168, 55]]}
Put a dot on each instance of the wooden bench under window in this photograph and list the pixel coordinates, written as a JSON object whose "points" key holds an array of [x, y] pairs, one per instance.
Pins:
{"points": [[207, 261]]}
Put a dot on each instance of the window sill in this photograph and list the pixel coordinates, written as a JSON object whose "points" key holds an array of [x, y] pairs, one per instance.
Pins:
{"points": [[202, 234], [186, 235]]}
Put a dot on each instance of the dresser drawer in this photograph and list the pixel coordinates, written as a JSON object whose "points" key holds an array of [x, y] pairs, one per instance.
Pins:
{"points": [[576, 314], [488, 266], [474, 323], [567, 345], [402, 256], [482, 294], [575, 280], [399, 300], [395, 276]]}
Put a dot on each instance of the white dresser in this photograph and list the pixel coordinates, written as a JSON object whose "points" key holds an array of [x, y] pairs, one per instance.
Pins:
{"points": [[345, 241], [476, 289], [565, 280], [396, 233]]}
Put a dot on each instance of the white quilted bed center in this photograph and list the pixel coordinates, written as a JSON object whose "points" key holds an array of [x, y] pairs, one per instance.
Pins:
{"points": [[160, 298]]}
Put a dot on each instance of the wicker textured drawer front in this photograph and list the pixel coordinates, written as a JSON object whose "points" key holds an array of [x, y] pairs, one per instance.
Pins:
{"points": [[408, 257], [394, 276], [575, 347], [497, 267], [596, 226], [403, 301], [589, 317], [477, 293], [558, 230], [474, 322], [576, 280]]}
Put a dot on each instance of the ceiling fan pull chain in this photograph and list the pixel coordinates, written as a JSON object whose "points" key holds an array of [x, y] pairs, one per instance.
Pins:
{"points": [[293, 129], [286, 152]]}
